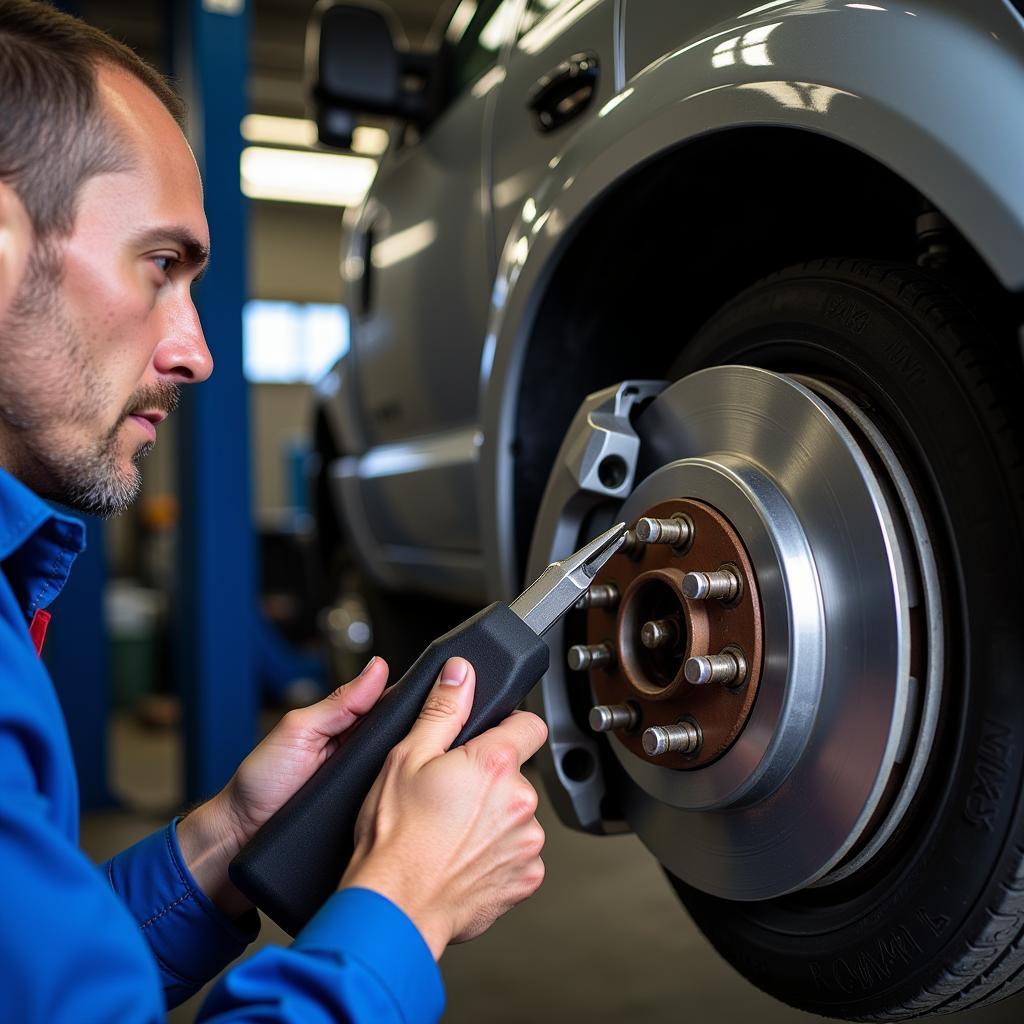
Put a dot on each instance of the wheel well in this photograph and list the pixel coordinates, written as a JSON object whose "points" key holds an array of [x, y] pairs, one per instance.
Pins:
{"points": [[661, 252]]}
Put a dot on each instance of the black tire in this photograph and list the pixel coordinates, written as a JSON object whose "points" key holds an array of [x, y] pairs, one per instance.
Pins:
{"points": [[936, 922]]}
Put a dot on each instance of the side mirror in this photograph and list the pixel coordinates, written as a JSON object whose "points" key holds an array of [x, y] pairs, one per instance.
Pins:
{"points": [[356, 67]]}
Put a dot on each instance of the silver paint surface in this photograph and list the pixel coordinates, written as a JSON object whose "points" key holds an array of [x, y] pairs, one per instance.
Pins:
{"points": [[928, 89]]}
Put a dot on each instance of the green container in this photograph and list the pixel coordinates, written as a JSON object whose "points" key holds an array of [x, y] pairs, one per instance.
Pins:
{"points": [[133, 616]]}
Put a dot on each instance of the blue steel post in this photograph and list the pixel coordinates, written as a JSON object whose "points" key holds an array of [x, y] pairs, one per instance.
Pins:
{"points": [[215, 663]]}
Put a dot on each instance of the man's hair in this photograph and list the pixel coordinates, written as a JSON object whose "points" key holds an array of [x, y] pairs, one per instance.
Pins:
{"points": [[54, 134]]}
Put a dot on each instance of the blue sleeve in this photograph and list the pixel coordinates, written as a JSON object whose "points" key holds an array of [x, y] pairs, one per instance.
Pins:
{"points": [[68, 950], [190, 938], [359, 960]]}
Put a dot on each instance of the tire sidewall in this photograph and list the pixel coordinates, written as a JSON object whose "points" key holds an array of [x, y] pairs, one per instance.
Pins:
{"points": [[930, 376]]}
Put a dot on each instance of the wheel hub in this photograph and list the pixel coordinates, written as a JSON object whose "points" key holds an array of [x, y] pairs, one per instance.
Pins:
{"points": [[649, 671], [788, 721]]}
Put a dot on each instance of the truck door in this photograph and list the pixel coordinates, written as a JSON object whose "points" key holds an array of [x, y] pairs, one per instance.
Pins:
{"points": [[419, 271], [560, 72]]}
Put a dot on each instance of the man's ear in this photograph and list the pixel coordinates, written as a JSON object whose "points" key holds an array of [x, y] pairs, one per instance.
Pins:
{"points": [[16, 239]]}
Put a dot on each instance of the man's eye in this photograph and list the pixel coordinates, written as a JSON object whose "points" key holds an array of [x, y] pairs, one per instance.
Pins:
{"points": [[165, 263]]}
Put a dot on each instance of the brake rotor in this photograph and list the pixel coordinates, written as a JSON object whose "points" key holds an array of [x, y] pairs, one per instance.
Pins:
{"points": [[806, 768]]}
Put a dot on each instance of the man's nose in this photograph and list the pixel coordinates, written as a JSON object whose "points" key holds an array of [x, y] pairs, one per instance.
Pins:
{"points": [[183, 353]]}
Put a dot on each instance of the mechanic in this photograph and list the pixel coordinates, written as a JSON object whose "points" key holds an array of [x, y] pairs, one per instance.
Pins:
{"points": [[102, 234]]}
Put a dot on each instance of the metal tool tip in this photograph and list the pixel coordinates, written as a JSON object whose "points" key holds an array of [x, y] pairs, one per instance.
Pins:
{"points": [[604, 545], [562, 583]]}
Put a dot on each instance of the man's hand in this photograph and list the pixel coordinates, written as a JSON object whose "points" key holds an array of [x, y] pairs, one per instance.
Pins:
{"points": [[450, 836], [275, 770]]}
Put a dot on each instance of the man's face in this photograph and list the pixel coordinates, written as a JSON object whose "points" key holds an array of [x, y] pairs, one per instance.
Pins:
{"points": [[102, 331]]}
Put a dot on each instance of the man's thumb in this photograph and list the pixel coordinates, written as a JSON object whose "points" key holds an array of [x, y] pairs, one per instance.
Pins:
{"points": [[445, 710]]}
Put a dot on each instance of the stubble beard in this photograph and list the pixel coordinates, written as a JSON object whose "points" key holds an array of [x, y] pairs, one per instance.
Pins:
{"points": [[47, 379], [93, 481]]}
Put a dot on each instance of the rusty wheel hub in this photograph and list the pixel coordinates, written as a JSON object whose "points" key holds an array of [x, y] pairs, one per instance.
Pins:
{"points": [[649, 669]]}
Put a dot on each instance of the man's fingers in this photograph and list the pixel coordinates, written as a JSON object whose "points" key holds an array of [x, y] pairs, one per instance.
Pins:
{"points": [[445, 710], [523, 731], [337, 711]]}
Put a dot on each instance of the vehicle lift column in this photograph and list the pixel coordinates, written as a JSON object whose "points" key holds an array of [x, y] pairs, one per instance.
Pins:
{"points": [[216, 602]]}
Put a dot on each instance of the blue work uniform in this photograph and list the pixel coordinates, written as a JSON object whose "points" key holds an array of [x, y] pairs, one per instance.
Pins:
{"points": [[127, 940]]}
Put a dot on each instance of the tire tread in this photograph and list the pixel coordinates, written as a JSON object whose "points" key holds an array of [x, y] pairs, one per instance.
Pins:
{"points": [[988, 965], [991, 967]]}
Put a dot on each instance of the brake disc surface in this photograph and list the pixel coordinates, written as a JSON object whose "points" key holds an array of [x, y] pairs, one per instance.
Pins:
{"points": [[791, 792]]}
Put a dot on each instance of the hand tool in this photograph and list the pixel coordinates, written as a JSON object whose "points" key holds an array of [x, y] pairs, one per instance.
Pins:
{"points": [[295, 861]]}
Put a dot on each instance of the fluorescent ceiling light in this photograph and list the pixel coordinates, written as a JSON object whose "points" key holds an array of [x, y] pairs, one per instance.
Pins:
{"points": [[369, 141], [278, 131], [301, 132], [295, 176]]}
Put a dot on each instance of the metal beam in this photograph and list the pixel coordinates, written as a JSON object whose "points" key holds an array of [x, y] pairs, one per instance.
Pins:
{"points": [[216, 602]]}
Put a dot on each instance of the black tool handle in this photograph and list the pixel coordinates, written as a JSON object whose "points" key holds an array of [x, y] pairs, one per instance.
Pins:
{"points": [[297, 859]]}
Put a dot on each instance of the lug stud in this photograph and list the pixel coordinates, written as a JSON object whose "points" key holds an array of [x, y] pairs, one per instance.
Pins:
{"points": [[677, 531], [600, 595], [682, 738], [584, 656], [723, 584], [728, 668], [631, 544], [608, 717], [659, 633]]}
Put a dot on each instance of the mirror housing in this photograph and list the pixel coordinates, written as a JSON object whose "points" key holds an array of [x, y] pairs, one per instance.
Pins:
{"points": [[358, 63]]}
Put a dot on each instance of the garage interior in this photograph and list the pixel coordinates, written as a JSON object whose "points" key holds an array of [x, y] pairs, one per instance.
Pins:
{"points": [[605, 939]]}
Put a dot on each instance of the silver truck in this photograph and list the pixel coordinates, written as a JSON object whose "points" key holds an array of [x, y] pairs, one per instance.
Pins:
{"points": [[747, 277]]}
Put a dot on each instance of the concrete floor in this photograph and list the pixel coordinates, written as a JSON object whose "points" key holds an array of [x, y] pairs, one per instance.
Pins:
{"points": [[575, 952]]}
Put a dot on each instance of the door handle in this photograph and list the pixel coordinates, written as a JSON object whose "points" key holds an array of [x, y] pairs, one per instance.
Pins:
{"points": [[565, 92]]}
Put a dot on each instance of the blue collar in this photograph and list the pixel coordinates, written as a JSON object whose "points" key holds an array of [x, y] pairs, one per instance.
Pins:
{"points": [[37, 544]]}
